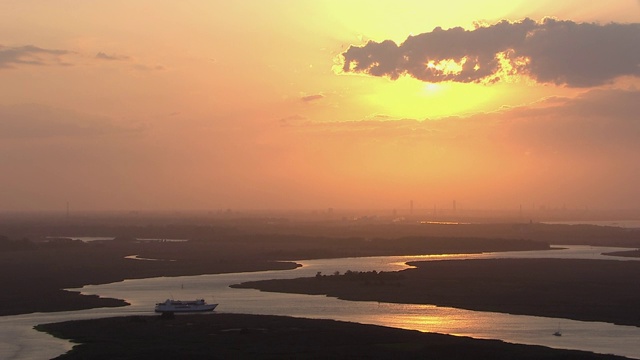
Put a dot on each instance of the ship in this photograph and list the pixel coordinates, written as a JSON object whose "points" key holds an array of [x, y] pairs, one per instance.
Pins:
{"points": [[174, 306]]}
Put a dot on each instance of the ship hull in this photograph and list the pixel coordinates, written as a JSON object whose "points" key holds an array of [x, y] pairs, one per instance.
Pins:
{"points": [[171, 306], [191, 309]]}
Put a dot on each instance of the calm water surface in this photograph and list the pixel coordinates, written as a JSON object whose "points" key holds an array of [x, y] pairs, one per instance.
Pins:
{"points": [[19, 341]]}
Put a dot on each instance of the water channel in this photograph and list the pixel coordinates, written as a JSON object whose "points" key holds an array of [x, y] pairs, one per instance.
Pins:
{"points": [[19, 341]]}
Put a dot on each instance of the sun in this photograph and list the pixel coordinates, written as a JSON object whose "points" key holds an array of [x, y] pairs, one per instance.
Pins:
{"points": [[430, 88]]}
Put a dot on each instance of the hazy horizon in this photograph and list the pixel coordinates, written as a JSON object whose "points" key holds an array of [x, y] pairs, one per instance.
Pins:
{"points": [[262, 105], [443, 216]]}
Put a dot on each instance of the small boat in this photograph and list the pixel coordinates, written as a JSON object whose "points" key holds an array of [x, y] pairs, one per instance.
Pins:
{"points": [[174, 306], [558, 333]]}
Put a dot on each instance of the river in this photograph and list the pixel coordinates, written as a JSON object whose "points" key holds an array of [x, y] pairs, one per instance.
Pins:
{"points": [[19, 341]]}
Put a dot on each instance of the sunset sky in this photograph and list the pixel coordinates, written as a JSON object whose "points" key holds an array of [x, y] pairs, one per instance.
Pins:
{"points": [[300, 104]]}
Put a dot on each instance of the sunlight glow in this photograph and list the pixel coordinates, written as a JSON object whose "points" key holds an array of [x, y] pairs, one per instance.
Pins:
{"points": [[511, 67], [431, 322], [216, 107], [447, 66], [411, 98], [431, 87]]}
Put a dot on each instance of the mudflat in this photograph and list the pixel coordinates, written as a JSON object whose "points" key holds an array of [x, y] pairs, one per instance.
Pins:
{"points": [[589, 290], [239, 336]]}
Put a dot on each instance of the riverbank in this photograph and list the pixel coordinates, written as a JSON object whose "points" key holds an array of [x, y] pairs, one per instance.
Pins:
{"points": [[33, 279], [34, 268], [588, 290], [239, 336], [628, 253]]}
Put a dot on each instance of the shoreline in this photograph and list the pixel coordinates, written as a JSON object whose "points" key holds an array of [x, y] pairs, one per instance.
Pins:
{"points": [[267, 337], [585, 290], [46, 272], [498, 310], [54, 300], [628, 253]]}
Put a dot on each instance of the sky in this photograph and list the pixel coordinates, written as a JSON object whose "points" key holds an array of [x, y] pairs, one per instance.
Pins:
{"points": [[282, 104]]}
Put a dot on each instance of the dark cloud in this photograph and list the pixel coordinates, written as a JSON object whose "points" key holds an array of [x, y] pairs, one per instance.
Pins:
{"points": [[105, 56], [550, 51], [309, 98], [30, 55], [40, 121]]}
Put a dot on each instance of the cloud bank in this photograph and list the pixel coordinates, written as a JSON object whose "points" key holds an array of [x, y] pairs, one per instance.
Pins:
{"points": [[104, 56], [550, 51], [30, 55]]}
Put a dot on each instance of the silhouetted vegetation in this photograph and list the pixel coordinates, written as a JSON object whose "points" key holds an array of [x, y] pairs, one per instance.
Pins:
{"points": [[588, 290], [7, 244], [364, 277]]}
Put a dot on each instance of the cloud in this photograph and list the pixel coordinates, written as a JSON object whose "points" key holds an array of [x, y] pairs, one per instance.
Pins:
{"points": [[11, 57], [550, 51], [105, 56], [310, 98], [137, 66], [37, 121], [143, 67], [30, 55]]}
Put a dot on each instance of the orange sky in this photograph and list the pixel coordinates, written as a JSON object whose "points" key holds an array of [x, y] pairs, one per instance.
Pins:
{"points": [[141, 105]]}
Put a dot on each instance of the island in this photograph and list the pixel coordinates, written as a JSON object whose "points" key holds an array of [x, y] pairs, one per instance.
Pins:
{"points": [[240, 336], [588, 290]]}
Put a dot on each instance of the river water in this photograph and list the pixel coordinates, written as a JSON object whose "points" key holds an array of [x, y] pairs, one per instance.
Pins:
{"points": [[19, 341]]}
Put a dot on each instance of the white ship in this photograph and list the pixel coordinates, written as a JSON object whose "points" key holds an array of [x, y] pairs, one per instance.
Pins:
{"points": [[173, 306]]}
